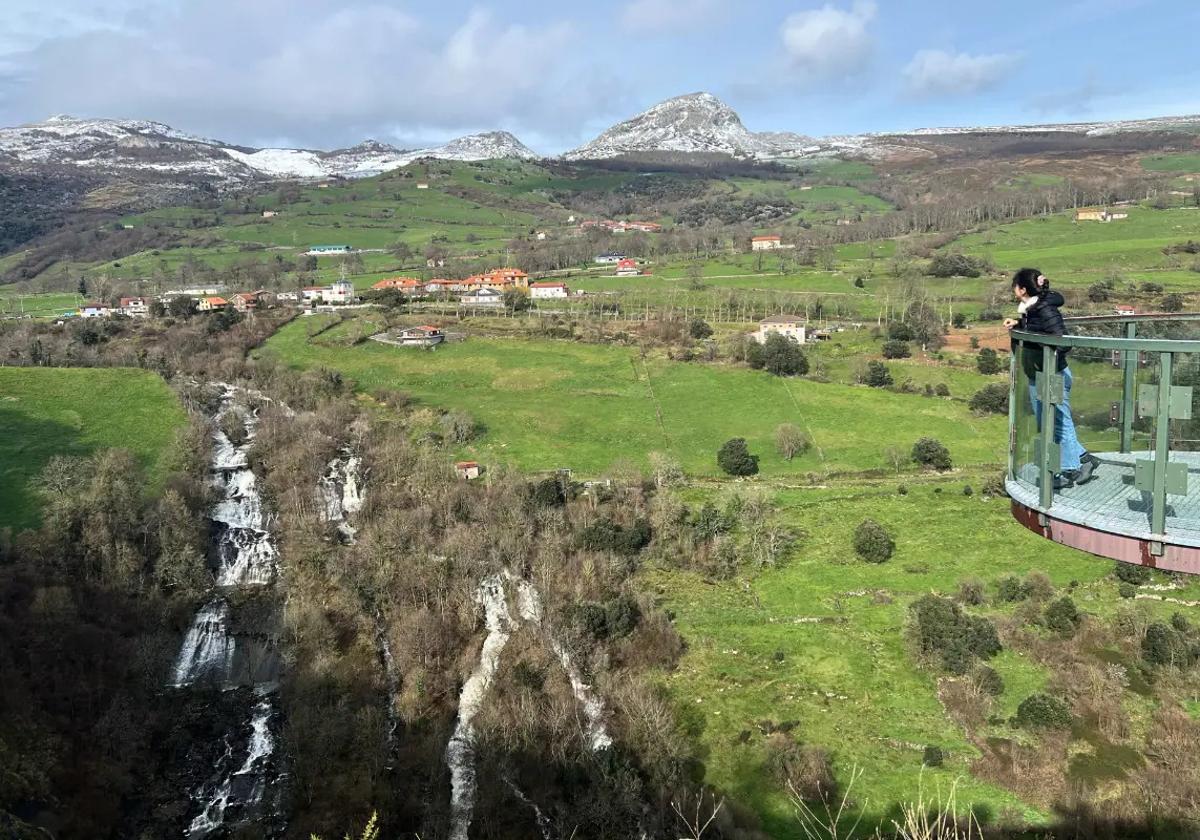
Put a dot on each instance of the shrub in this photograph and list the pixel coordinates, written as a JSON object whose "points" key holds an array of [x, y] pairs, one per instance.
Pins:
{"points": [[1062, 616], [878, 375], [790, 440], [1041, 711], [989, 680], [991, 314], [1131, 573], [933, 756], [967, 491], [1164, 645], [1097, 293], [699, 328], [1127, 590], [899, 331], [896, 349], [548, 493], [929, 452], [735, 459], [806, 770], [873, 542], [942, 390], [970, 592], [944, 630], [781, 356], [958, 320], [990, 399], [1171, 303], [988, 361], [606, 535], [1009, 589], [1037, 585], [956, 265]]}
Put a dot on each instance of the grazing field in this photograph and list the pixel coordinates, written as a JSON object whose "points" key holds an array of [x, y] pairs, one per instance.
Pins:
{"points": [[1172, 163], [550, 404], [76, 411], [818, 643]]}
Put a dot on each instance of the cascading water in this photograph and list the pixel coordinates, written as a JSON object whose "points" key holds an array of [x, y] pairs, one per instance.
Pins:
{"points": [[246, 558], [460, 752], [341, 491]]}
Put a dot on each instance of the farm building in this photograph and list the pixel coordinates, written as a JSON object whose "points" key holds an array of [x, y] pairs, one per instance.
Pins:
{"points": [[1092, 214], [94, 310], [269, 214], [766, 243], [540, 235], [135, 307], [482, 297], [422, 336], [245, 301], [286, 296], [1124, 309], [609, 258], [627, 268], [213, 304], [312, 294], [328, 250], [790, 326], [540, 291], [467, 469], [422, 185]]}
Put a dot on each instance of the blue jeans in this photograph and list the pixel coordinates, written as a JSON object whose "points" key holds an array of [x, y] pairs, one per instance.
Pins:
{"points": [[1064, 426]]}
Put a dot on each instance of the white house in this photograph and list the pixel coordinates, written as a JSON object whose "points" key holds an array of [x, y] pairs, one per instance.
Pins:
{"points": [[467, 469], [627, 268], [609, 258], [342, 291], [94, 310], [312, 294], [766, 243], [540, 235], [135, 307], [328, 250], [269, 214], [286, 296], [482, 297], [422, 185], [790, 326], [422, 336], [541, 291]]}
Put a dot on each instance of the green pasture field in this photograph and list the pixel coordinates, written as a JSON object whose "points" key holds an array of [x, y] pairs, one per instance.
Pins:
{"points": [[76, 411], [550, 404], [819, 641], [1172, 163]]}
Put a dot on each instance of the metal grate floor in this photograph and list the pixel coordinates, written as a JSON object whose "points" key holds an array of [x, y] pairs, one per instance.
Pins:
{"points": [[1110, 502]]}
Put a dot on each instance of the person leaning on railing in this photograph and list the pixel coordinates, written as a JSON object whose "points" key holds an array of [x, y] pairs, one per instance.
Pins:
{"points": [[1038, 310]]}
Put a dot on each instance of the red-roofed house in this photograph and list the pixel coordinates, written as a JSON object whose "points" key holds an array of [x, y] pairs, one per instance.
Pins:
{"points": [[539, 291], [467, 469], [403, 284], [212, 304], [422, 336], [627, 268], [245, 301], [765, 243], [135, 307]]}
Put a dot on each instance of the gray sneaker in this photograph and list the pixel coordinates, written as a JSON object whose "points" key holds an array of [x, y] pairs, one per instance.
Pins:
{"points": [[1087, 469]]}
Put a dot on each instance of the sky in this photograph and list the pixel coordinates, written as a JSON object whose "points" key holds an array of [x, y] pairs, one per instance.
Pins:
{"points": [[330, 73]]}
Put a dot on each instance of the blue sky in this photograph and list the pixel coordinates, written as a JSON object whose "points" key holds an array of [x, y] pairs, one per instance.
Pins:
{"points": [[326, 73]]}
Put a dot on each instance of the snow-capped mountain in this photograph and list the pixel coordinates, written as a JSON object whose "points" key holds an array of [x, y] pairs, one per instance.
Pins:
{"points": [[140, 146], [696, 122]]}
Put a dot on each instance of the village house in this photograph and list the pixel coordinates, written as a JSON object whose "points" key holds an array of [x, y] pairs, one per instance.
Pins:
{"points": [[1093, 214], [212, 304], [422, 185], [627, 268], [439, 285], [482, 297], [312, 294], [269, 214], [540, 235], [135, 307], [94, 310], [542, 291], [245, 301], [340, 291], [408, 285], [609, 257], [1124, 309], [435, 263], [467, 470], [328, 250], [286, 296], [789, 326], [766, 243], [422, 336]]}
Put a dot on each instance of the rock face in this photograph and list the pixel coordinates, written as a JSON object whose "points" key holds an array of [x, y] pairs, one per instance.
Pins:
{"points": [[694, 123], [155, 150]]}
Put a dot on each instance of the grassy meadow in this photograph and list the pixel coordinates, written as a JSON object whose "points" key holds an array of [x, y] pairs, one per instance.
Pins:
{"points": [[76, 411]]}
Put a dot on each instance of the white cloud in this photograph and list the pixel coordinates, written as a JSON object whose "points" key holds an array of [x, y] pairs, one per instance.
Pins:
{"points": [[343, 70], [941, 73], [649, 16], [830, 43]]}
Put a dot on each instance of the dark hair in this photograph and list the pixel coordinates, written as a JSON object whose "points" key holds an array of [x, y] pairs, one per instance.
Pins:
{"points": [[1027, 279]]}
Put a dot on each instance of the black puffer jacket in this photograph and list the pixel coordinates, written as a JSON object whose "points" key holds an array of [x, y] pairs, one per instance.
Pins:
{"points": [[1043, 317]]}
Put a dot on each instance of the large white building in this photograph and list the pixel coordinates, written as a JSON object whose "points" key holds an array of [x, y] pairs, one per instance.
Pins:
{"points": [[540, 291], [766, 243], [789, 326]]}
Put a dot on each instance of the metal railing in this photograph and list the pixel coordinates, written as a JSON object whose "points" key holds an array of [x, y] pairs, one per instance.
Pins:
{"points": [[1156, 403]]}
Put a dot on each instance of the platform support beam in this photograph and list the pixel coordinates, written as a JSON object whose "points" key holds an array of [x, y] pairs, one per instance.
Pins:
{"points": [[1162, 445], [1127, 389], [1045, 388], [1012, 410]]}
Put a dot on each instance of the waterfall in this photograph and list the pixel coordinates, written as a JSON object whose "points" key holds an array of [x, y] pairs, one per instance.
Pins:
{"points": [[460, 752], [246, 557], [341, 491], [391, 681], [208, 649]]}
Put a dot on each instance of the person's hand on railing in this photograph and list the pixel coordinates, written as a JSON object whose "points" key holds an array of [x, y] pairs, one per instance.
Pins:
{"points": [[1009, 323]]}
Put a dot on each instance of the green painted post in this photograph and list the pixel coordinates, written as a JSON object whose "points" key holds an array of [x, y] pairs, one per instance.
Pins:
{"points": [[1012, 410], [1045, 470], [1162, 444], [1127, 405]]}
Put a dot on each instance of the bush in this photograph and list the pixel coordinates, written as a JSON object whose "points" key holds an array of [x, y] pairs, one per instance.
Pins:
{"points": [[1127, 590], [1131, 573], [878, 375], [991, 314], [989, 680], [699, 328], [990, 399], [942, 390], [956, 265], [1009, 590], [896, 349], [1171, 303], [791, 440], [929, 452], [606, 535], [1037, 586], [970, 592], [1062, 616], [873, 542], [944, 630], [547, 493], [1041, 711], [958, 320], [899, 331], [735, 459], [988, 361], [779, 355], [933, 756], [1097, 293], [1164, 645]]}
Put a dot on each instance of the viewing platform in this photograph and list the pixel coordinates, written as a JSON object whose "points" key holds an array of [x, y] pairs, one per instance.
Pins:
{"points": [[1142, 504]]}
